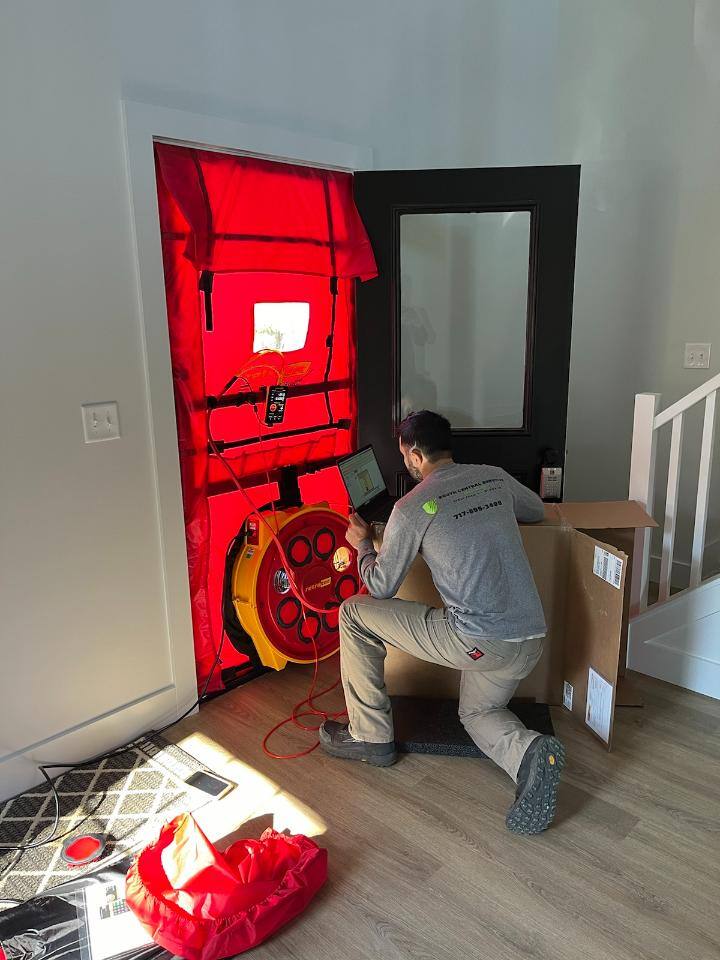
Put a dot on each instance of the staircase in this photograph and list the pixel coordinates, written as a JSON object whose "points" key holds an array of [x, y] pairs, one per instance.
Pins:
{"points": [[677, 638]]}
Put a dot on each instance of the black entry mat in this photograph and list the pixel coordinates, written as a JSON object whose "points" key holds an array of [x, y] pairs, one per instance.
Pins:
{"points": [[127, 797], [432, 726]]}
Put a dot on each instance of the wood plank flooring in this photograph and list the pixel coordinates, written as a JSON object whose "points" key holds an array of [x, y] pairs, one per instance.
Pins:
{"points": [[421, 865]]}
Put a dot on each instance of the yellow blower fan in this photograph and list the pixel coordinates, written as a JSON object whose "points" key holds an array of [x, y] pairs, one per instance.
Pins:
{"points": [[324, 568]]}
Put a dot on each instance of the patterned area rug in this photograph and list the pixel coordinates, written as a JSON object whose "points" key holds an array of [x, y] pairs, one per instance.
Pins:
{"points": [[126, 797]]}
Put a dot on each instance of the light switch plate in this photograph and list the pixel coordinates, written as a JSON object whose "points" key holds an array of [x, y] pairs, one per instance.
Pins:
{"points": [[697, 356], [100, 421]]}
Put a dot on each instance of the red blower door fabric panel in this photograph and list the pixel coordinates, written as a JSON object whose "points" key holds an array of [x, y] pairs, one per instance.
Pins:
{"points": [[258, 215], [256, 226], [201, 904], [228, 351], [186, 354]]}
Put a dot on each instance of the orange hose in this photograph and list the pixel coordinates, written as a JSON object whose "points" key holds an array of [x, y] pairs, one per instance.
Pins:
{"points": [[294, 717]]}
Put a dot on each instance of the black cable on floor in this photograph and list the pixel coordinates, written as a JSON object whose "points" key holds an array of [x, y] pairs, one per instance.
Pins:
{"points": [[20, 848]]}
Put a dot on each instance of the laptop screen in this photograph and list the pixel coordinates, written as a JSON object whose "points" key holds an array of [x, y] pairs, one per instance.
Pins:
{"points": [[361, 476]]}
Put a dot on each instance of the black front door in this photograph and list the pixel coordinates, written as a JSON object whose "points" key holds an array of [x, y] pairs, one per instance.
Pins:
{"points": [[471, 312]]}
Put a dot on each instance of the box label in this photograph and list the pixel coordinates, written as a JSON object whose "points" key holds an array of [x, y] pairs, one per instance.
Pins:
{"points": [[598, 707], [568, 695], [608, 567]]}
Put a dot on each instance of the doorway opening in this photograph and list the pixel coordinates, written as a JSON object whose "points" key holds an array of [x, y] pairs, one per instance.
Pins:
{"points": [[260, 259]]}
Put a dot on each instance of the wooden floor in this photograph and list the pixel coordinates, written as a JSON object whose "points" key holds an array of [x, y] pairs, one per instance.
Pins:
{"points": [[421, 865]]}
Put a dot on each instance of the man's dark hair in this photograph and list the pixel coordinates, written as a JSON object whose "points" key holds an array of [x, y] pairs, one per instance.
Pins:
{"points": [[429, 432]]}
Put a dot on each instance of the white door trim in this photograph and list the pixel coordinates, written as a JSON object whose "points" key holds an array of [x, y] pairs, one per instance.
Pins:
{"points": [[145, 123]]}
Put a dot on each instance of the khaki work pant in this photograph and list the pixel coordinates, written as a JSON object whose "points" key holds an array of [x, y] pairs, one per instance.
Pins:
{"points": [[487, 683]]}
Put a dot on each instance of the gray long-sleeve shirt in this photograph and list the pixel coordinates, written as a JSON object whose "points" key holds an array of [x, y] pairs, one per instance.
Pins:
{"points": [[462, 519]]}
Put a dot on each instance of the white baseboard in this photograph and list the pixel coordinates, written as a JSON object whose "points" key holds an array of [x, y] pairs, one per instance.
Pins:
{"points": [[19, 771]]}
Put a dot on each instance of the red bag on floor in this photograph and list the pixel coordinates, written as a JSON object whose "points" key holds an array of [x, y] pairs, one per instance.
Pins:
{"points": [[201, 904]]}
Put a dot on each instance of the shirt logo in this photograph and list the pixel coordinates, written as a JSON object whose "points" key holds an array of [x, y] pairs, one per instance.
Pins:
{"points": [[431, 507], [475, 654]]}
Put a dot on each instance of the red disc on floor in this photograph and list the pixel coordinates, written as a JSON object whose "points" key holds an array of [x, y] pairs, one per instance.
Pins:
{"points": [[86, 848]]}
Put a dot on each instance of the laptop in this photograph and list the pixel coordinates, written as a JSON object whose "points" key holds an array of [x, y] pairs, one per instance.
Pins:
{"points": [[366, 488]]}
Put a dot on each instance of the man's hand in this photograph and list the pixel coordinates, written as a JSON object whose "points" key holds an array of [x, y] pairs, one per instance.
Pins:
{"points": [[357, 531]]}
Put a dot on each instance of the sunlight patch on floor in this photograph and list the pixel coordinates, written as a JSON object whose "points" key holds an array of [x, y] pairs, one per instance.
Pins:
{"points": [[255, 796]]}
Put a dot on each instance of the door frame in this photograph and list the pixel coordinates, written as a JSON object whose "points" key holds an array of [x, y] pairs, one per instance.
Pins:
{"points": [[143, 125]]}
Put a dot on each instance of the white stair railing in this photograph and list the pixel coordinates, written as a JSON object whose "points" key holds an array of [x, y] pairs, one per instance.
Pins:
{"points": [[648, 420]]}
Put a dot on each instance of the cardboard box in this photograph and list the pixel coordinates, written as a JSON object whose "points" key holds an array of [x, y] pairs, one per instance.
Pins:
{"points": [[581, 576]]}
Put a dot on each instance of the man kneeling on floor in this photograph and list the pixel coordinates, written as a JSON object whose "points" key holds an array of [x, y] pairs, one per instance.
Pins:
{"points": [[462, 518]]}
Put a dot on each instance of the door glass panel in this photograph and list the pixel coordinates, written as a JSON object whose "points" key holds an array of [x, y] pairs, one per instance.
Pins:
{"points": [[463, 314]]}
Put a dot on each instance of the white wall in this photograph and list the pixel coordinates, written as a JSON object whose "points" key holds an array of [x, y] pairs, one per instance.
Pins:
{"points": [[82, 623], [426, 83], [687, 308]]}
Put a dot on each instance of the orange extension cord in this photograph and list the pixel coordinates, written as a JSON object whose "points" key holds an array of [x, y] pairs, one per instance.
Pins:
{"points": [[313, 711]]}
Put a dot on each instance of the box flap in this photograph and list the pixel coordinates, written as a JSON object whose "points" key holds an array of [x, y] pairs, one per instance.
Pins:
{"points": [[552, 518], [603, 515], [595, 588], [548, 550]]}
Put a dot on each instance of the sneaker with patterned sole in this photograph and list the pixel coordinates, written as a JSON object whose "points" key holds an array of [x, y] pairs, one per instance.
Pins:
{"points": [[536, 795]]}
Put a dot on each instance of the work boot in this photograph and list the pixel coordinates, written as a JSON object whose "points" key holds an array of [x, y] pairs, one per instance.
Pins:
{"points": [[335, 739], [537, 784]]}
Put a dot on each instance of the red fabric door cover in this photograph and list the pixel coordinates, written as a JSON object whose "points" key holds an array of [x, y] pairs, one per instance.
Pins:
{"points": [[252, 215], [201, 904], [246, 217]]}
